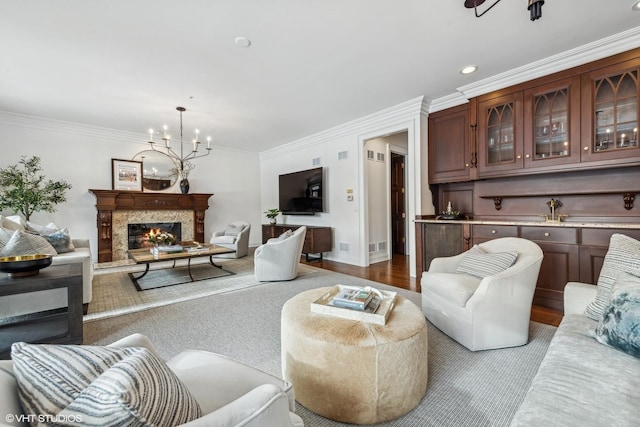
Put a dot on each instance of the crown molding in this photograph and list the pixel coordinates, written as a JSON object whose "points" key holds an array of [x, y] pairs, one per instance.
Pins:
{"points": [[52, 125], [581, 55], [402, 112], [448, 101]]}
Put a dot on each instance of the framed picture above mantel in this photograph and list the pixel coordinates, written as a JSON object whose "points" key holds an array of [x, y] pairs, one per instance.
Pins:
{"points": [[126, 175]]}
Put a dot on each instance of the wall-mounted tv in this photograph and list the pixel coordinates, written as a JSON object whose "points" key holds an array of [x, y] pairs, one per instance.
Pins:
{"points": [[300, 193]]}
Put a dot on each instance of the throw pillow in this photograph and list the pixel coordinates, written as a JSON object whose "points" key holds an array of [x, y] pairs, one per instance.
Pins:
{"points": [[14, 222], [5, 236], [24, 243], [482, 264], [233, 230], [285, 235], [42, 229], [103, 385], [139, 390], [619, 326], [50, 377], [60, 240], [623, 255]]}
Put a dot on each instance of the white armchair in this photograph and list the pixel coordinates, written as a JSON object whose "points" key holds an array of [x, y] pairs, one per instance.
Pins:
{"points": [[484, 313], [235, 236], [278, 259], [229, 393]]}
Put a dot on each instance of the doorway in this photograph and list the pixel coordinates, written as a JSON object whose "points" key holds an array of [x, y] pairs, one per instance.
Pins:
{"points": [[398, 205]]}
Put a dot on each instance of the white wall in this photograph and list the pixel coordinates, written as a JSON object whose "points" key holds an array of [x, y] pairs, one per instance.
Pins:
{"points": [[349, 219], [81, 155]]}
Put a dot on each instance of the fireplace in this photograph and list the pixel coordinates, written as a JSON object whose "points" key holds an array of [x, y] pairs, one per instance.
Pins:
{"points": [[117, 208], [137, 234]]}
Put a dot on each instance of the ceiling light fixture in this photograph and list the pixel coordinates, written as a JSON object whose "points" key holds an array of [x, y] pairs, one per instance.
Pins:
{"points": [[534, 7], [469, 69], [636, 6], [243, 42], [181, 161]]}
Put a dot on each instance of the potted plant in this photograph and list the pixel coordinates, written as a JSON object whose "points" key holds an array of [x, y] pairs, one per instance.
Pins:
{"points": [[272, 214], [24, 190]]}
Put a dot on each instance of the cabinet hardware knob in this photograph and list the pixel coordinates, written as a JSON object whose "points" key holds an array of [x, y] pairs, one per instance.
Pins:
{"points": [[586, 148], [527, 155], [493, 231], [518, 156], [547, 234]]}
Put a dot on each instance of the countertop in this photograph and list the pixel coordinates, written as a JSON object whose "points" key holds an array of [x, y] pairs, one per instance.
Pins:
{"points": [[533, 223]]}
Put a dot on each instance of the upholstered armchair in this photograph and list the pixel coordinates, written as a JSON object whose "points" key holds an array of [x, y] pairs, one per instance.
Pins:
{"points": [[228, 392], [278, 259], [235, 236], [478, 299]]}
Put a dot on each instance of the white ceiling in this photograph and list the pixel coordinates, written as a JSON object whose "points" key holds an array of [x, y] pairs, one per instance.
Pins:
{"points": [[312, 65]]}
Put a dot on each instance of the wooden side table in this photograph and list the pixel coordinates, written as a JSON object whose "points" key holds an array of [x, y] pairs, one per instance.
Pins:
{"points": [[60, 326]]}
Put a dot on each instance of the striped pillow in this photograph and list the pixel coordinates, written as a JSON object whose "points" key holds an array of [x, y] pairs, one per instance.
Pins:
{"points": [[623, 255], [100, 385], [23, 243], [479, 263]]}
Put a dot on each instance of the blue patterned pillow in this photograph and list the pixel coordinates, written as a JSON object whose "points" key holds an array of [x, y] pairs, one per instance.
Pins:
{"points": [[60, 240], [620, 323]]}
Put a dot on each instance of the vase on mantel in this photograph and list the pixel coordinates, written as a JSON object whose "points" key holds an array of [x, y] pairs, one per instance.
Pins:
{"points": [[184, 185]]}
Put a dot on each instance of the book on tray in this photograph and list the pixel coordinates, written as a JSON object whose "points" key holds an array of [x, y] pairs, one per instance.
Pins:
{"points": [[363, 299]]}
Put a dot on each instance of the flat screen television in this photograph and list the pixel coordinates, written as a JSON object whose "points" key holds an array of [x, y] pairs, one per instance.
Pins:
{"points": [[300, 193]]}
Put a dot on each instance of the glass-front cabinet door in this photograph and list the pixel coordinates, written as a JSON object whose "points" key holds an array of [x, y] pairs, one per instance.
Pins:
{"points": [[552, 124], [500, 134], [612, 98]]}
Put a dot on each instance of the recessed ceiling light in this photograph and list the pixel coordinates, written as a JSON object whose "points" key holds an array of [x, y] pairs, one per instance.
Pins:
{"points": [[636, 6], [243, 42], [469, 69]]}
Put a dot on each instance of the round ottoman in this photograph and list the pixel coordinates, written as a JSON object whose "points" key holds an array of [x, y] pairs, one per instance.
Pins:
{"points": [[351, 371]]}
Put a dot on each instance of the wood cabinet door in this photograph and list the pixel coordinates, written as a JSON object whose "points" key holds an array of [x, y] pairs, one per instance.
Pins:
{"points": [[559, 266], [611, 114], [500, 135], [552, 124], [449, 145]]}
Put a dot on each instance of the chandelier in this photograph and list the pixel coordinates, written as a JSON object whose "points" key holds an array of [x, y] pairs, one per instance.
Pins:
{"points": [[181, 160], [535, 7]]}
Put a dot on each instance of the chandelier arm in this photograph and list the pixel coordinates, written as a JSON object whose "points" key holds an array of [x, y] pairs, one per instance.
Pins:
{"points": [[475, 8]]}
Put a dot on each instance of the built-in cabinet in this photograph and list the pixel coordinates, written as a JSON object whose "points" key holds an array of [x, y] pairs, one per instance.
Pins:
{"points": [[586, 117], [452, 158], [571, 254], [610, 113]]}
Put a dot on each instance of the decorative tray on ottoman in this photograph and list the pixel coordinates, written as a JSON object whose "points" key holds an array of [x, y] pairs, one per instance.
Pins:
{"points": [[377, 310]]}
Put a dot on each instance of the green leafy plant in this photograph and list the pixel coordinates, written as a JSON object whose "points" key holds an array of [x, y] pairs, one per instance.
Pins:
{"points": [[272, 213], [23, 188]]}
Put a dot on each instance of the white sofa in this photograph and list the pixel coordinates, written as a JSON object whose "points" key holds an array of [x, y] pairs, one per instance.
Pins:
{"points": [[229, 393], [581, 382], [278, 259], [79, 258]]}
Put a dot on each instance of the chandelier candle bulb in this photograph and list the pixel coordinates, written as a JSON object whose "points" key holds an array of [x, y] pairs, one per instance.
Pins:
{"points": [[197, 132], [208, 143], [150, 135]]}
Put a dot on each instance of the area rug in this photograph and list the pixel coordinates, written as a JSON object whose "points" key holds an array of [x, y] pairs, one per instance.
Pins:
{"points": [[172, 276], [465, 388], [114, 294]]}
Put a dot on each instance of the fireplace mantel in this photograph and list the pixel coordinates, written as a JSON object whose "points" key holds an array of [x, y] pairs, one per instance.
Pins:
{"points": [[108, 201]]}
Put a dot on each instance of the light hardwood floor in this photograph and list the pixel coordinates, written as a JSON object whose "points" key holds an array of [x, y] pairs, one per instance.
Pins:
{"points": [[396, 273]]}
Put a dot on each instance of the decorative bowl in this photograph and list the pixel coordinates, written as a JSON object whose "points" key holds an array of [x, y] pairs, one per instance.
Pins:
{"points": [[24, 265]]}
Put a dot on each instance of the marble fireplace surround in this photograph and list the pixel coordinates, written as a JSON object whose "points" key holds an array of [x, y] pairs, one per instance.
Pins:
{"points": [[117, 209]]}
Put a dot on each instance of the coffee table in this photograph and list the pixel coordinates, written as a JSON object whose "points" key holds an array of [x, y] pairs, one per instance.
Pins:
{"points": [[144, 256]]}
